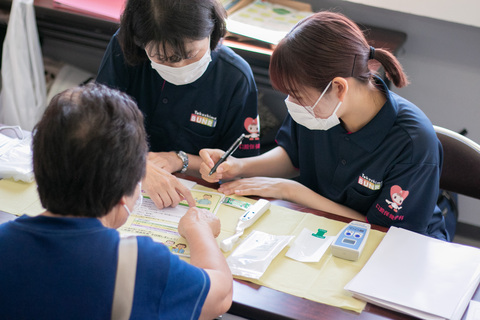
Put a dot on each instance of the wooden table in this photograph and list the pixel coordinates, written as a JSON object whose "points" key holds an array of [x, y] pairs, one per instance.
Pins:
{"points": [[256, 302]]}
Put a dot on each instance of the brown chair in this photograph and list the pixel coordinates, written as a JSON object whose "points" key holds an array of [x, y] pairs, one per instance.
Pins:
{"points": [[461, 163]]}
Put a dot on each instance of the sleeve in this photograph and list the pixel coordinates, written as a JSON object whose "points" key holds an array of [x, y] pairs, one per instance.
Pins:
{"points": [[287, 139], [246, 119], [165, 286], [113, 70], [407, 198], [186, 290]]}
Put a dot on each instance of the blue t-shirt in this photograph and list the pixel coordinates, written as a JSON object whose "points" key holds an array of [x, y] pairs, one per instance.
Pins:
{"points": [[211, 112], [65, 268], [389, 170]]}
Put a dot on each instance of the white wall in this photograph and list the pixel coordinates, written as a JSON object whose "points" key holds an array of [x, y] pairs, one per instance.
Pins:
{"points": [[442, 60]]}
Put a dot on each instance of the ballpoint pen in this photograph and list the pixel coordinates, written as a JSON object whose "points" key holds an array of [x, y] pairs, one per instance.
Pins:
{"points": [[230, 150]]}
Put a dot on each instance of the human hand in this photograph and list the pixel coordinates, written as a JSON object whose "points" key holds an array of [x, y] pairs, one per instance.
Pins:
{"points": [[259, 186], [168, 161], [197, 219], [229, 169], [165, 189]]}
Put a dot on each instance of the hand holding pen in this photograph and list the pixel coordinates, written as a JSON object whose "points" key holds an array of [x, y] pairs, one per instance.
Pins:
{"points": [[230, 150]]}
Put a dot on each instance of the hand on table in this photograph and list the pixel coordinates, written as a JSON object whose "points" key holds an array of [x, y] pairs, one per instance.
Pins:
{"points": [[259, 186]]}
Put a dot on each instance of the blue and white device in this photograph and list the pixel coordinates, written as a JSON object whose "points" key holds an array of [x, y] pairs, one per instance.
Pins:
{"points": [[351, 240]]}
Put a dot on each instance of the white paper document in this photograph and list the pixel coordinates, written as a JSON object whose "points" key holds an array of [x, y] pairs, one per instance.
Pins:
{"points": [[419, 276], [473, 312]]}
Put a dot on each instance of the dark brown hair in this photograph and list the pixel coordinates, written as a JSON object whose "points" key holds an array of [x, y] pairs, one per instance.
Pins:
{"points": [[169, 23], [89, 150], [324, 46]]}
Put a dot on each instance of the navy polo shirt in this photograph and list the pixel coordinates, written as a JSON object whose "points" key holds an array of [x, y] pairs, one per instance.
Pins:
{"points": [[389, 170], [211, 112], [65, 268]]}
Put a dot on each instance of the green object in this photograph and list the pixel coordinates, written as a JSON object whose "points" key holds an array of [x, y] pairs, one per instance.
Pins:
{"points": [[281, 11], [320, 233], [236, 203]]}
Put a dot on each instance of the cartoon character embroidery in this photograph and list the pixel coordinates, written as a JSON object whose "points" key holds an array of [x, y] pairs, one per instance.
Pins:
{"points": [[398, 196], [252, 126]]}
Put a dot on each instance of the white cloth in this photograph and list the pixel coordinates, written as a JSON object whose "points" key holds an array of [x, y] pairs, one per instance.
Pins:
{"points": [[23, 95]]}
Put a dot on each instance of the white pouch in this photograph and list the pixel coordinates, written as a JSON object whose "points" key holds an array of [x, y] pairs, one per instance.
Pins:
{"points": [[253, 256], [309, 248], [16, 156], [23, 96]]}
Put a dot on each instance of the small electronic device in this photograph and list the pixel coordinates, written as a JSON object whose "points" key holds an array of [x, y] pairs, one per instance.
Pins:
{"points": [[351, 240], [252, 214]]}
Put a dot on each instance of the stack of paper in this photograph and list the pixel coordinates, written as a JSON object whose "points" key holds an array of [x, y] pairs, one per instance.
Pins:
{"points": [[265, 21], [420, 276]]}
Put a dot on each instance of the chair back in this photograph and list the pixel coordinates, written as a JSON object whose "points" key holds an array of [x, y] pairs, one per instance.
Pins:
{"points": [[461, 163]]}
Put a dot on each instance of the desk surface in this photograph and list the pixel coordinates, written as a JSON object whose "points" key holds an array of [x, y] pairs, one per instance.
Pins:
{"points": [[256, 302]]}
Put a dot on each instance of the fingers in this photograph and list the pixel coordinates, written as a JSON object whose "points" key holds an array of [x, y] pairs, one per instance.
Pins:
{"points": [[259, 186], [197, 219], [209, 158], [165, 189], [186, 194]]}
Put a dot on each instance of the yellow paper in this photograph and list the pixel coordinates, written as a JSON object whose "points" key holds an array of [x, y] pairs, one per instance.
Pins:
{"points": [[321, 281], [19, 198], [162, 224]]}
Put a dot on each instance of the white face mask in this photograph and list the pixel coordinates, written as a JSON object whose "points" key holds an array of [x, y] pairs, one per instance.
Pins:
{"points": [[138, 203], [305, 116], [186, 74]]}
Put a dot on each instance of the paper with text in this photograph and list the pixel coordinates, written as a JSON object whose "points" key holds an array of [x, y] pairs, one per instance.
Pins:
{"points": [[162, 224]]}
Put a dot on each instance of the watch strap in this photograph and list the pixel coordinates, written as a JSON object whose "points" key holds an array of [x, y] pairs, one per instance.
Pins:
{"points": [[184, 157]]}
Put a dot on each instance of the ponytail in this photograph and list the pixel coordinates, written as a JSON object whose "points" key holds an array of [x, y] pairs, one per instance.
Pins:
{"points": [[324, 46], [393, 68]]}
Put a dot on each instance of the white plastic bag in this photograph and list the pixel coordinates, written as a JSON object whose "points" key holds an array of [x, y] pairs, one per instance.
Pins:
{"points": [[16, 156], [23, 96], [253, 256]]}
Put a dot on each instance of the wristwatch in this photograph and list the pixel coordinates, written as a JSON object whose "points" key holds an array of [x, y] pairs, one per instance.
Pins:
{"points": [[183, 156]]}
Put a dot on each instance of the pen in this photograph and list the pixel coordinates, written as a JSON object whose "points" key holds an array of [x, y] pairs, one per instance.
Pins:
{"points": [[230, 150]]}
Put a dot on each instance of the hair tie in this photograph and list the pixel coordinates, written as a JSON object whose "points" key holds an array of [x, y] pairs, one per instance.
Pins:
{"points": [[372, 53]]}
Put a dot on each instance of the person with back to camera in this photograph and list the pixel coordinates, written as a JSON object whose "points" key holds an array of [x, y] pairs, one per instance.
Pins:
{"points": [[356, 148], [89, 153], [193, 91]]}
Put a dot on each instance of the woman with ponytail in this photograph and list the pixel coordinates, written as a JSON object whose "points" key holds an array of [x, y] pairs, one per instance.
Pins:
{"points": [[356, 148]]}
